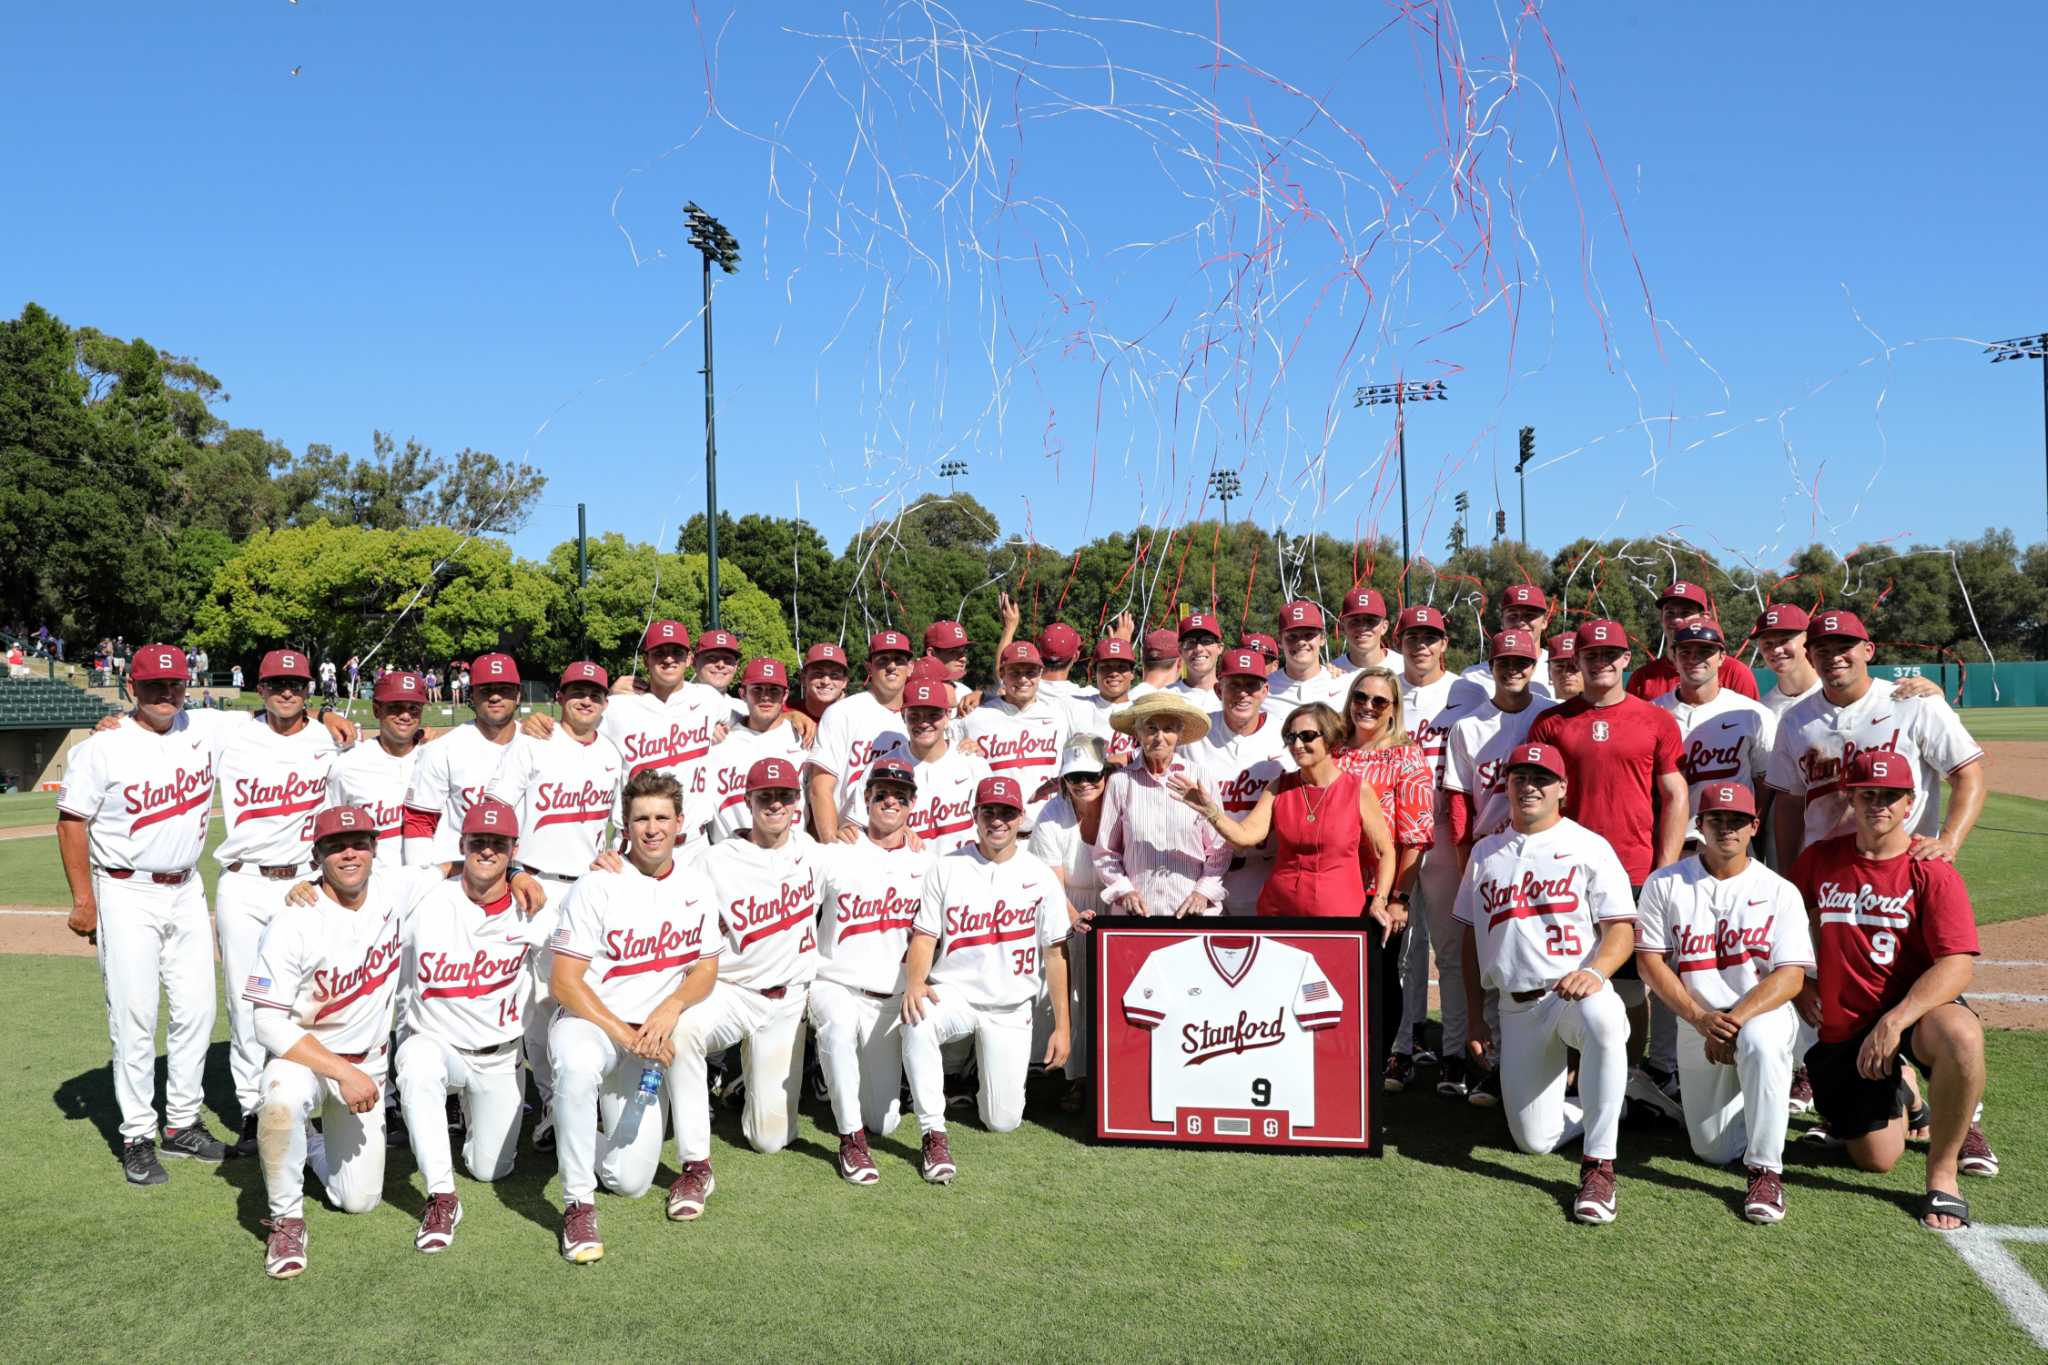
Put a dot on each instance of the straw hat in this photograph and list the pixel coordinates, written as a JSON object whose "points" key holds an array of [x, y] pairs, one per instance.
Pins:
{"points": [[1192, 720]]}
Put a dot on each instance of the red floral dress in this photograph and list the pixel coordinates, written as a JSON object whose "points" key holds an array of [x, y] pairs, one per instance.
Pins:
{"points": [[1400, 774]]}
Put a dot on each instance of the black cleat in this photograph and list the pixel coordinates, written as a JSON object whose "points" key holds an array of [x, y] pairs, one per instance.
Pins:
{"points": [[194, 1142], [245, 1145], [139, 1163]]}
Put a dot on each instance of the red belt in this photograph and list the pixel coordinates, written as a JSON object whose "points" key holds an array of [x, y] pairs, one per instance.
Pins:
{"points": [[773, 993], [875, 995], [276, 874], [122, 874], [358, 1058]]}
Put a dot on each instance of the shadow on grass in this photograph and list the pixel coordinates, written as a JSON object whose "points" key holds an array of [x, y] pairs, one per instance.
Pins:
{"points": [[89, 1097]]}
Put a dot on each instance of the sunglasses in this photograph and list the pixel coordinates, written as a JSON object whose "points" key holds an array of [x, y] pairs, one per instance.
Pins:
{"points": [[1372, 703], [1294, 737], [1091, 778]]}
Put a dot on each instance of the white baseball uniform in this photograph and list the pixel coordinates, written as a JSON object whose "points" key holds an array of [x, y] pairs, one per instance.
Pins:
{"points": [[1431, 711], [767, 905], [722, 706], [1284, 692], [1722, 938], [1778, 701], [868, 897], [1537, 904], [671, 736], [1206, 698], [641, 936], [855, 732], [1023, 743], [1091, 717], [1475, 760], [943, 813], [1480, 675], [144, 797], [1817, 739], [722, 811], [1726, 739], [372, 777], [450, 777], [1236, 769], [1057, 839], [995, 923]]}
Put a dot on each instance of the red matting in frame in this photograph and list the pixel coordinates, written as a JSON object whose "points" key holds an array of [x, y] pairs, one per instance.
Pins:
{"points": [[1219, 1033]]}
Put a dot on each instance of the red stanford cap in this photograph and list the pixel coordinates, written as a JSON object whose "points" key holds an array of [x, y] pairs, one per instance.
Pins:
{"points": [[928, 692], [284, 663], [771, 672], [1564, 645], [1060, 641], [1263, 643], [1682, 591], [1698, 631], [999, 791], [1019, 652], [888, 642], [1199, 622], [1879, 768], [825, 653], [1524, 595], [1780, 616], [1113, 648], [665, 633], [490, 816], [945, 635], [1843, 623], [153, 663], [1514, 644], [1601, 635], [771, 774], [717, 642], [584, 671], [1159, 644], [1544, 756], [892, 770], [343, 820], [928, 668], [493, 668], [1420, 618], [400, 687], [1728, 796], [1364, 602], [1301, 614], [1244, 663]]}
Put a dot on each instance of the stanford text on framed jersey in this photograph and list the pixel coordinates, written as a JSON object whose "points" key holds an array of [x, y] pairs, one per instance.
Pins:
{"points": [[1246, 1032]]}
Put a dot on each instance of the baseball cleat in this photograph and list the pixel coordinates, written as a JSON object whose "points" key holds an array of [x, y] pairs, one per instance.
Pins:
{"points": [[1597, 1201], [139, 1163], [1400, 1073], [1801, 1099], [245, 1145], [1660, 1093], [194, 1142], [1765, 1202], [687, 1197], [437, 1227], [1450, 1078], [580, 1243], [544, 1129], [1977, 1157], [936, 1164], [856, 1166], [395, 1134], [1485, 1092], [284, 1254]]}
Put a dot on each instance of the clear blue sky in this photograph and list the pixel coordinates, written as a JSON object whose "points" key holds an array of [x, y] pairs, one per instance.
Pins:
{"points": [[1047, 256]]}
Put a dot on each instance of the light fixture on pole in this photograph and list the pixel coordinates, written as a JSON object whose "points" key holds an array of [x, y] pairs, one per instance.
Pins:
{"points": [[950, 470], [1225, 484], [1401, 395], [2027, 348], [1522, 460], [717, 245]]}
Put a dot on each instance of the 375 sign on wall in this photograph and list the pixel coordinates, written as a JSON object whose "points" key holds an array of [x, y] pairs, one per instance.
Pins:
{"points": [[1242, 1032]]}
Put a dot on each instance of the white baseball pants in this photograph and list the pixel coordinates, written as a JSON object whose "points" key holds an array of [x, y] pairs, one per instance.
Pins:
{"points": [[155, 938], [349, 1158], [1002, 1051], [428, 1072], [602, 1131], [1430, 926], [860, 1048], [243, 905], [1533, 1040], [1740, 1110], [538, 1003], [771, 1038]]}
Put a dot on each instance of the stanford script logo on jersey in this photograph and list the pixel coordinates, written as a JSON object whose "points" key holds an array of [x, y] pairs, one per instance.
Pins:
{"points": [[665, 947], [335, 990], [442, 974], [750, 918], [967, 927], [1861, 904], [556, 803], [151, 802], [1823, 772], [1726, 946], [1703, 762], [1202, 1040], [1532, 895], [663, 749], [294, 794], [858, 914]]}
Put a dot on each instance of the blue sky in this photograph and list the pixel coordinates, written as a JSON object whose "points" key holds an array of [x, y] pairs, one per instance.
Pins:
{"points": [[1041, 249]]}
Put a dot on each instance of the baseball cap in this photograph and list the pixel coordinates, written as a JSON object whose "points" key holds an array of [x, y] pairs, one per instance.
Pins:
{"points": [[1563, 645], [1060, 641], [1301, 614], [1159, 644], [665, 633], [928, 692], [771, 672], [945, 635], [155, 662], [1682, 591], [892, 770], [342, 820], [1019, 652], [825, 653], [284, 663], [1113, 648], [584, 671], [400, 687], [1263, 643], [1728, 796], [1083, 754], [1523, 595], [1244, 663], [1601, 635], [717, 642], [490, 816], [1420, 617], [999, 791], [1544, 756], [1513, 644], [493, 668], [1843, 623], [1879, 768], [1364, 602], [1698, 631], [771, 774], [888, 642], [1780, 616], [928, 668], [1198, 623]]}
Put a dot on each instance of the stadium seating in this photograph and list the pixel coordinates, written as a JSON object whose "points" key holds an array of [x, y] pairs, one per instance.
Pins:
{"points": [[39, 703]]}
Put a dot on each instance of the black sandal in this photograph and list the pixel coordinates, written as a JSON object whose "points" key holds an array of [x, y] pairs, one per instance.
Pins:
{"points": [[1937, 1202]]}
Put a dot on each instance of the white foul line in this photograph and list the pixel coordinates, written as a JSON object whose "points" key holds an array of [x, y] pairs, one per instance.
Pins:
{"points": [[2007, 997], [65, 913], [1983, 1250]]}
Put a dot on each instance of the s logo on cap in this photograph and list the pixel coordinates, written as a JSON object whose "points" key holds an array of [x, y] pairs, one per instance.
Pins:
{"points": [[346, 819], [1600, 632], [1880, 768], [1726, 794]]}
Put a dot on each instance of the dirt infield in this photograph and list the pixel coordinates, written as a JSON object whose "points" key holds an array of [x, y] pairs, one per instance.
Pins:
{"points": [[2019, 767]]}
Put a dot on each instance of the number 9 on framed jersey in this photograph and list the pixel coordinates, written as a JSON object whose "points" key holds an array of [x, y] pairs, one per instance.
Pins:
{"points": [[1243, 1032]]}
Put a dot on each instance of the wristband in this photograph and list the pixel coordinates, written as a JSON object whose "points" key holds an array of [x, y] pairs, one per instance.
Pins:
{"points": [[1595, 971]]}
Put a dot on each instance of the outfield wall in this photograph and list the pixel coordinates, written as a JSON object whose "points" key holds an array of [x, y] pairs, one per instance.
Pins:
{"points": [[2008, 684]]}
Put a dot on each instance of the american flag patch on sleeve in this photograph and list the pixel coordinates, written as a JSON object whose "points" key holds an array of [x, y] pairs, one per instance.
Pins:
{"points": [[257, 983], [559, 938], [1316, 990]]}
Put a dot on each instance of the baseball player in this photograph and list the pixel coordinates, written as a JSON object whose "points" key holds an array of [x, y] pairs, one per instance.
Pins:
{"points": [[942, 818], [1364, 620], [857, 731], [1679, 603], [1158, 663], [1304, 677], [1723, 941], [1547, 918], [454, 771], [717, 663], [1727, 736], [1242, 755], [1019, 732], [989, 938], [131, 822], [668, 728], [868, 889], [636, 949], [1895, 938], [377, 776], [947, 642], [822, 679], [322, 987], [1201, 646], [1566, 681], [1264, 645], [764, 689], [765, 893], [1059, 646], [1116, 673], [1523, 607]]}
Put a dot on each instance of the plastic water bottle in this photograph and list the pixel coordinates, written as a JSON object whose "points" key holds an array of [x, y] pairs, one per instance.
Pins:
{"points": [[650, 1085]]}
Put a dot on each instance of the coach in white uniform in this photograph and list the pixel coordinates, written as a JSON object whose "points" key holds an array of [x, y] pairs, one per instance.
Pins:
{"points": [[1238, 759]]}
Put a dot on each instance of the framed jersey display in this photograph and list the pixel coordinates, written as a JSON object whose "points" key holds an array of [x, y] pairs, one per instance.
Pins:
{"points": [[1235, 1032]]}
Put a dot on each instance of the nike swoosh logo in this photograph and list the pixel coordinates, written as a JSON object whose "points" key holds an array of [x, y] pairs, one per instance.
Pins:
{"points": [[1730, 724], [1879, 720], [1756, 902], [1560, 856]]}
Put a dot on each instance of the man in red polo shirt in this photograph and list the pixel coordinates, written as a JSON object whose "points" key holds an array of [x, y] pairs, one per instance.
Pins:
{"points": [[1678, 604]]}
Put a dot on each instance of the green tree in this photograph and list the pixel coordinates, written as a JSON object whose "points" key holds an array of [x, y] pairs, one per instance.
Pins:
{"points": [[402, 487], [632, 583], [785, 558]]}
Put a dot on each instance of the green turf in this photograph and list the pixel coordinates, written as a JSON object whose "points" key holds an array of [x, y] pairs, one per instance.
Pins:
{"points": [[2004, 855], [2007, 722], [20, 809], [1453, 1246], [32, 873]]}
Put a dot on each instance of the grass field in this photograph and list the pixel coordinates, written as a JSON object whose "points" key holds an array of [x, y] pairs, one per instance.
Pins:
{"points": [[1047, 1247], [2007, 722]]}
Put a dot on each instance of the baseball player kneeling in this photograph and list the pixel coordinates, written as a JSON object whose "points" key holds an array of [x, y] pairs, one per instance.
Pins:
{"points": [[1723, 941], [1546, 905], [991, 930], [637, 947]]}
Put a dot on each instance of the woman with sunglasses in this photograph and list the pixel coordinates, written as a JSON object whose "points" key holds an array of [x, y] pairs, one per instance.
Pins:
{"points": [[1327, 828], [1065, 838]]}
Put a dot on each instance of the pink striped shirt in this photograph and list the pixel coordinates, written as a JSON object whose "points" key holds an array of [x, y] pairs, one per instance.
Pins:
{"points": [[1152, 842]]}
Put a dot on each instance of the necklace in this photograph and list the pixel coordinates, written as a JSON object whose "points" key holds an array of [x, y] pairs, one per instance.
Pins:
{"points": [[1312, 802]]}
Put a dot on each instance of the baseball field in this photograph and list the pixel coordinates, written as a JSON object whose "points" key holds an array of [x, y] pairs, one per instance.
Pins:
{"points": [[1046, 1247]]}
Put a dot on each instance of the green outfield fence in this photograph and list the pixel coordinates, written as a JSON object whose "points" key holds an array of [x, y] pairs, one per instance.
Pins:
{"points": [[2006, 684]]}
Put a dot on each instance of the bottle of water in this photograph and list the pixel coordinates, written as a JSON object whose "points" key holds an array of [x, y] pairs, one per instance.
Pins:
{"points": [[650, 1085]]}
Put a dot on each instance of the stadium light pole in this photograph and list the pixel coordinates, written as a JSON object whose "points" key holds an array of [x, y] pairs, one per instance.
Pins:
{"points": [[2028, 348], [950, 470], [1522, 459], [1401, 395], [1226, 485], [715, 244]]}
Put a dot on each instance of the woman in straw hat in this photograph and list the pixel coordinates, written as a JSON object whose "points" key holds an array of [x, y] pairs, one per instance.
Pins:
{"points": [[1153, 854]]}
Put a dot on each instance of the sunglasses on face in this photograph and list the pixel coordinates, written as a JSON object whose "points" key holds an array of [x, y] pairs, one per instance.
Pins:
{"points": [[1372, 703], [1092, 779], [1303, 737]]}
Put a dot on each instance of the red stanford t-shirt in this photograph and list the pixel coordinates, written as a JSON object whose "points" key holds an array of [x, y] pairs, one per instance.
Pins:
{"points": [[1659, 676], [1883, 923], [1615, 755]]}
